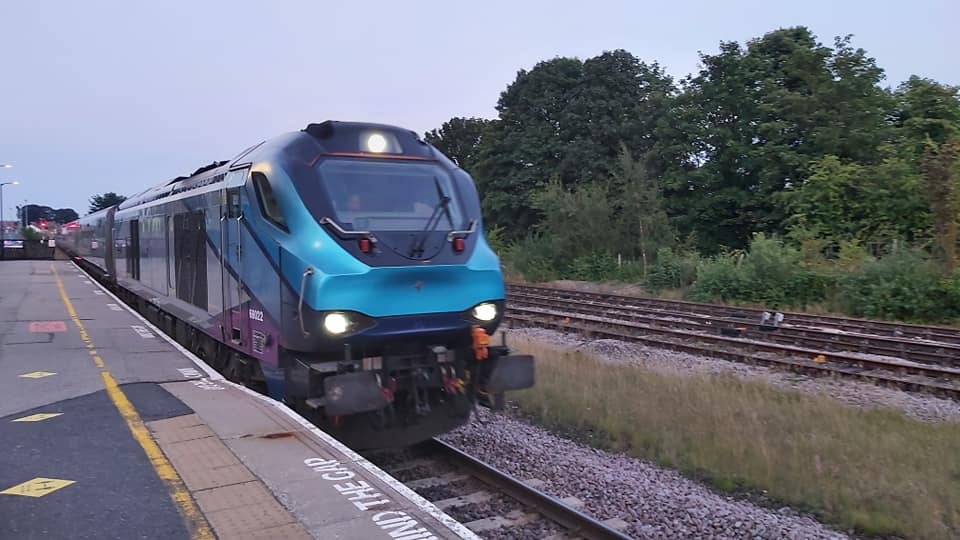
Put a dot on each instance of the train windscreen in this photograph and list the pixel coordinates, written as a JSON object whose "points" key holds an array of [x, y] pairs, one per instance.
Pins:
{"points": [[390, 196]]}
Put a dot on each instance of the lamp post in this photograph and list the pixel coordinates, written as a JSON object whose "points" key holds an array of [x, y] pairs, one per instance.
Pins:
{"points": [[3, 226]]}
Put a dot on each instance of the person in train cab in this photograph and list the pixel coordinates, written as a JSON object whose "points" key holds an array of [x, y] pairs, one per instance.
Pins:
{"points": [[355, 203]]}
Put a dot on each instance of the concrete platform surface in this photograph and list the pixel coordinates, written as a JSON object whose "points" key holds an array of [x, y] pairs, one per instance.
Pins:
{"points": [[111, 430]]}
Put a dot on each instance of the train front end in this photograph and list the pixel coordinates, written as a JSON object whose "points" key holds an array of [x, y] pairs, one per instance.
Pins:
{"points": [[395, 293]]}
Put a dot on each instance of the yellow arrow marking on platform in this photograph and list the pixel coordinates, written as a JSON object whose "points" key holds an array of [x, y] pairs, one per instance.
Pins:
{"points": [[38, 487], [37, 417], [37, 374]]}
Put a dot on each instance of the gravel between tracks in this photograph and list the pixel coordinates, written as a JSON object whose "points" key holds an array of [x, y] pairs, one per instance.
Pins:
{"points": [[853, 392], [657, 503]]}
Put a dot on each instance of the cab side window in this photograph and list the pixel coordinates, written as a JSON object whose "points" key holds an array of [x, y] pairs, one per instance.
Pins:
{"points": [[268, 202]]}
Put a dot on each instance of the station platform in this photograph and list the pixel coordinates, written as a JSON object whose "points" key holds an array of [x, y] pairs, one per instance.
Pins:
{"points": [[109, 429]]}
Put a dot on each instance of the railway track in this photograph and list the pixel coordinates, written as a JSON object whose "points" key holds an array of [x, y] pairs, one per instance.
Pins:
{"points": [[490, 502], [929, 368], [913, 350], [861, 327]]}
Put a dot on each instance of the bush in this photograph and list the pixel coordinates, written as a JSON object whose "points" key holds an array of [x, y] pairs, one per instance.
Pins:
{"points": [[904, 285], [29, 234], [719, 278], [533, 259], [776, 274], [770, 273], [497, 240], [673, 270], [594, 267]]}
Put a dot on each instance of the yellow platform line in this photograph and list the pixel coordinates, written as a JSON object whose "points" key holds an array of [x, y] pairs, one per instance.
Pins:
{"points": [[196, 523]]}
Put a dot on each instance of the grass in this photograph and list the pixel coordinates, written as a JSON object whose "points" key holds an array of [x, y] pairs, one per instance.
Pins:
{"points": [[877, 471]]}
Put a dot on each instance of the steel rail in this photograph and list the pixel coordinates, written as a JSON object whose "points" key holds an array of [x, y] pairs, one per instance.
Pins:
{"points": [[944, 334], [928, 378], [908, 349], [576, 522]]}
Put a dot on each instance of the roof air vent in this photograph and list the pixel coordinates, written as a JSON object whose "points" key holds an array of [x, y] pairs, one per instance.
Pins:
{"points": [[321, 131]]}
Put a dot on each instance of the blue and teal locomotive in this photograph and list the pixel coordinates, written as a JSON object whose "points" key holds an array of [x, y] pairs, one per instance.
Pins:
{"points": [[341, 268]]}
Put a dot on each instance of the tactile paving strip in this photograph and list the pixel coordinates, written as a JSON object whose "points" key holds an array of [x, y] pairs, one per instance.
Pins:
{"points": [[234, 501]]}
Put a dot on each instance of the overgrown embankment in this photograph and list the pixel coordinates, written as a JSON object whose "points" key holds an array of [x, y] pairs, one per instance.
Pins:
{"points": [[904, 284], [876, 470]]}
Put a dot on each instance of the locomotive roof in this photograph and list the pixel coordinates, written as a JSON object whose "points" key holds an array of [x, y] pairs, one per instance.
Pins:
{"points": [[334, 137]]}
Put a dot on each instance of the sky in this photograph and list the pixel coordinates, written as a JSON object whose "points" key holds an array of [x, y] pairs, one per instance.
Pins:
{"points": [[100, 96]]}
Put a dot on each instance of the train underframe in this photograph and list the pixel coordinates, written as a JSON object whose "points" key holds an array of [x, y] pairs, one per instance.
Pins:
{"points": [[408, 392]]}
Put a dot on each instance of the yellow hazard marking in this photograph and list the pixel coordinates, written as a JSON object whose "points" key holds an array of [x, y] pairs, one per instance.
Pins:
{"points": [[37, 417], [38, 487], [195, 521], [98, 361], [37, 374]]}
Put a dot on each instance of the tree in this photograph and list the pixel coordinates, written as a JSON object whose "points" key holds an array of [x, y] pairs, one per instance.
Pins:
{"points": [[459, 139], [755, 118], [939, 164], [928, 121], [927, 110], [576, 221], [642, 223], [99, 202], [619, 215], [521, 151], [65, 215], [564, 120], [34, 212], [845, 200]]}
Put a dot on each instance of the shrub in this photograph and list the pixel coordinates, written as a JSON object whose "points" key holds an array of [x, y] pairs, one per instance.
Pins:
{"points": [[775, 274], [770, 273], [594, 267], [497, 240], [904, 285], [673, 270], [29, 234], [719, 278], [533, 259]]}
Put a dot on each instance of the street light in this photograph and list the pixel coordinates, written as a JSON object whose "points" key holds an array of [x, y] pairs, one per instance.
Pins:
{"points": [[3, 227], [6, 166]]}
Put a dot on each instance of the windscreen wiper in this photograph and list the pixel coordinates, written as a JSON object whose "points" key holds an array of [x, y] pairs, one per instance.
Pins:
{"points": [[441, 209]]}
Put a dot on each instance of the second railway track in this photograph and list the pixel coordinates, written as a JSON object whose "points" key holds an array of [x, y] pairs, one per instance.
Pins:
{"points": [[866, 327], [926, 367], [922, 351]]}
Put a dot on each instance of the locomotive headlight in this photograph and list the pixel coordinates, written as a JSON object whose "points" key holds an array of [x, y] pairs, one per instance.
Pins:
{"points": [[376, 143], [485, 312], [336, 323]]}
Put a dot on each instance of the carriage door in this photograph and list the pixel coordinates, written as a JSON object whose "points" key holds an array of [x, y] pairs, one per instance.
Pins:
{"points": [[133, 250], [235, 324]]}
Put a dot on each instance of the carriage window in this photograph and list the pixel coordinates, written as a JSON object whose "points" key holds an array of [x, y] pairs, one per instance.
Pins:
{"points": [[268, 202]]}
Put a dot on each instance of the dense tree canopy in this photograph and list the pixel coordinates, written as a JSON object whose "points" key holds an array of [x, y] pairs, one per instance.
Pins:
{"points": [[564, 121], [782, 134], [459, 139], [65, 215], [99, 202], [755, 119], [36, 212]]}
